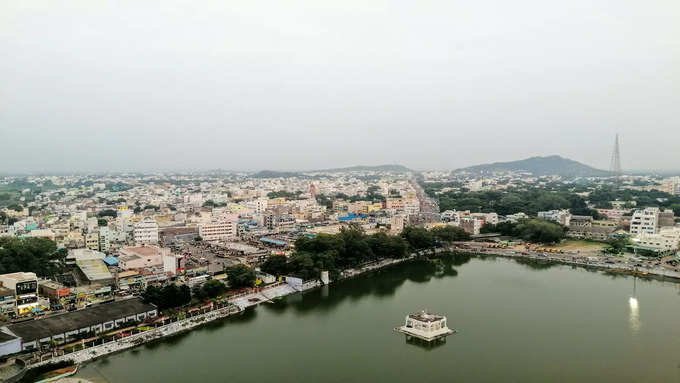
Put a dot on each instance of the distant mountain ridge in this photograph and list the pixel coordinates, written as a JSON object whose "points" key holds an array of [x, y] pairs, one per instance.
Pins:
{"points": [[393, 168], [540, 166]]}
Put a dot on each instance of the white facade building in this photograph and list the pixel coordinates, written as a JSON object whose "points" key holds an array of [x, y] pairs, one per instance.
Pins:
{"points": [[667, 239], [563, 217], [645, 221], [425, 326], [146, 231], [218, 230]]}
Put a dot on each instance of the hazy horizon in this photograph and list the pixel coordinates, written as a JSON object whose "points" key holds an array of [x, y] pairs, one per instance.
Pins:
{"points": [[301, 85]]}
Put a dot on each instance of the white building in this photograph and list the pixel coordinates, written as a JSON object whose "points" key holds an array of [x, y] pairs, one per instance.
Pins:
{"points": [[666, 240], [258, 205], [563, 217], [425, 326], [490, 218], [516, 217], [218, 230], [105, 235], [146, 231], [645, 221], [92, 240]]}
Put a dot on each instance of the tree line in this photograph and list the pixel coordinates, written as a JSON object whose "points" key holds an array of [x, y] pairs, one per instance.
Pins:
{"points": [[531, 230], [529, 201], [353, 247]]}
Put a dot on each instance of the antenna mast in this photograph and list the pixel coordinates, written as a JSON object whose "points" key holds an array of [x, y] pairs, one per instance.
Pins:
{"points": [[615, 166]]}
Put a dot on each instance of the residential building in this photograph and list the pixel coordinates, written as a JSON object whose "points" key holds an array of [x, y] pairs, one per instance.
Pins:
{"points": [[563, 217], [666, 240], [146, 231], [645, 221], [585, 227], [218, 230]]}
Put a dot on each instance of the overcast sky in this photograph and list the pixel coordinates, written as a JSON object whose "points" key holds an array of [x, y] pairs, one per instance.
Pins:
{"points": [[132, 85]]}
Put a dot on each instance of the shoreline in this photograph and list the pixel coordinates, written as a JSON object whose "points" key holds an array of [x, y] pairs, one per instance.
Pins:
{"points": [[240, 303], [610, 268]]}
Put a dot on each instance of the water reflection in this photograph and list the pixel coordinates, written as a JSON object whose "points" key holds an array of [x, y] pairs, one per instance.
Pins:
{"points": [[425, 345], [634, 306], [380, 283], [536, 264]]}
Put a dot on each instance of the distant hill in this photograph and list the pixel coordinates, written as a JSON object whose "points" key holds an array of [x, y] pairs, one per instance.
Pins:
{"points": [[275, 174], [540, 166], [361, 168], [310, 173]]}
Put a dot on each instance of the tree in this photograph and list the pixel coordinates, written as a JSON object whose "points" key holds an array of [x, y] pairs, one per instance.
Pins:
{"points": [[209, 289], [168, 296], [387, 246], [107, 213], [102, 222], [275, 265], [355, 249], [504, 228], [616, 246], [676, 209], [450, 233], [309, 265], [418, 238], [540, 231], [38, 255], [240, 276], [16, 207]]}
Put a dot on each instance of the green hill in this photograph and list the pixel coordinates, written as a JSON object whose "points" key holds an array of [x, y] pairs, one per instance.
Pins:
{"points": [[540, 166]]}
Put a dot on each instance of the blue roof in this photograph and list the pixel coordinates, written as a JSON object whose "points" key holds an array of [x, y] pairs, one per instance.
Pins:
{"points": [[111, 261], [350, 217]]}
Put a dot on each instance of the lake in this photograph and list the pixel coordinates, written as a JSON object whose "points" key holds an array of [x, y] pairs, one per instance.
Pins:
{"points": [[517, 322]]}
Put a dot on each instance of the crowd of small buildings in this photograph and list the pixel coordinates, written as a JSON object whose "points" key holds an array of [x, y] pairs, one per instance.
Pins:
{"points": [[157, 230], [649, 229]]}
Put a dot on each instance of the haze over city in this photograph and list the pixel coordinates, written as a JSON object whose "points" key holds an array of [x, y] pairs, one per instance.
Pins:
{"points": [[244, 85]]}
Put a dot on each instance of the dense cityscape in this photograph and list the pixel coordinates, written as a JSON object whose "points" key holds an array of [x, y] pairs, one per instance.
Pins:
{"points": [[91, 259]]}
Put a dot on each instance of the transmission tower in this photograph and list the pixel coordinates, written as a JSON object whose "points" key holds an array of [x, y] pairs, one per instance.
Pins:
{"points": [[615, 166]]}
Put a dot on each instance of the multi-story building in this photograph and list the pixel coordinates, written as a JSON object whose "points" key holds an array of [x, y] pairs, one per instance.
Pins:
{"points": [[563, 217], [645, 221], [471, 224], [25, 287], [218, 230], [146, 231], [105, 235], [92, 240], [585, 227], [666, 240]]}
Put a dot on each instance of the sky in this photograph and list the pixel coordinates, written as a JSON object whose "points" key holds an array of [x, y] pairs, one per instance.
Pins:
{"points": [[295, 84]]}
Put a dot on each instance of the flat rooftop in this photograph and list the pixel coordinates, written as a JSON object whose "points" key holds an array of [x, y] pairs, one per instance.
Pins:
{"points": [[75, 320], [143, 250], [424, 316], [94, 269]]}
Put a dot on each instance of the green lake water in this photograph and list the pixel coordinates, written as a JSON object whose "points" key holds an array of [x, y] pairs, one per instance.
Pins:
{"points": [[516, 322]]}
